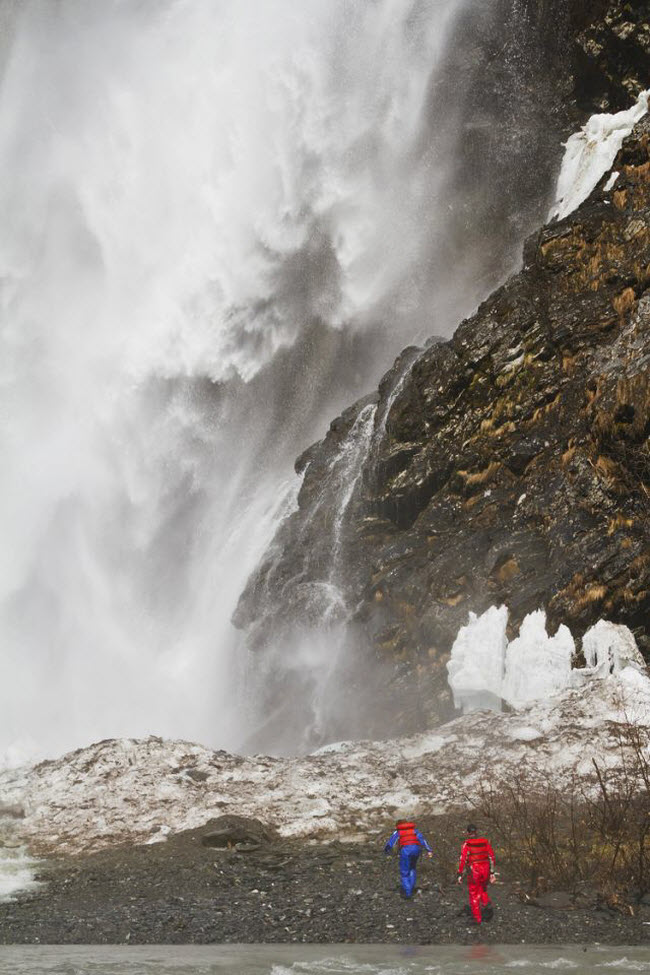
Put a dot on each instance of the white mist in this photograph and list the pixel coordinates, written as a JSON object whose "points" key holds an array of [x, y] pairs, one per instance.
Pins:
{"points": [[186, 186]]}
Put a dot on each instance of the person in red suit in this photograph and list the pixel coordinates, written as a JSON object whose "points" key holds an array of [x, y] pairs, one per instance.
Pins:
{"points": [[478, 857]]}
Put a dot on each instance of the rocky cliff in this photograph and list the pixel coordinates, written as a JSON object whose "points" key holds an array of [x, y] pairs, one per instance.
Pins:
{"points": [[510, 464], [533, 71]]}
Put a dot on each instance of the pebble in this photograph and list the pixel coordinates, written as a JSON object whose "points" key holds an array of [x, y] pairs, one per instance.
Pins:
{"points": [[174, 895]]}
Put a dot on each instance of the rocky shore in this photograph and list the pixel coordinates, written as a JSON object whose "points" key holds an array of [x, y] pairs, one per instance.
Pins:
{"points": [[182, 891], [153, 841]]}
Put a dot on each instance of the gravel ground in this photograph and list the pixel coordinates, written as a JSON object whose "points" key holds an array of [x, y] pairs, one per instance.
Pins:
{"points": [[180, 891]]}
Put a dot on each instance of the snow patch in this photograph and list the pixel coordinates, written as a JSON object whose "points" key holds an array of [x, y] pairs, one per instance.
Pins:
{"points": [[332, 748], [591, 152], [635, 696], [428, 745], [525, 733]]}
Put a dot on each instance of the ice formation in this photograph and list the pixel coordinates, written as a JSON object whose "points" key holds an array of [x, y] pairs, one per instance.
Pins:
{"points": [[591, 152], [609, 647], [537, 665], [485, 669], [477, 660]]}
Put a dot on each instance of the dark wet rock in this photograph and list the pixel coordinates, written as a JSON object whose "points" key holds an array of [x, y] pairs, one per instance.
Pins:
{"points": [[241, 831], [508, 465], [560, 900], [11, 811], [533, 71], [612, 57]]}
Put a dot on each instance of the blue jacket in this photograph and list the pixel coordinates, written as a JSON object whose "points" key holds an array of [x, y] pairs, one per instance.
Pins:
{"points": [[390, 843]]}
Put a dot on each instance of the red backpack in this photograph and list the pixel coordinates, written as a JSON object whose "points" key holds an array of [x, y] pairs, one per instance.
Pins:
{"points": [[407, 835]]}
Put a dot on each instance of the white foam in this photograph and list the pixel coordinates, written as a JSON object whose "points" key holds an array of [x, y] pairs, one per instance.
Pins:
{"points": [[185, 188], [629, 965], [16, 873]]}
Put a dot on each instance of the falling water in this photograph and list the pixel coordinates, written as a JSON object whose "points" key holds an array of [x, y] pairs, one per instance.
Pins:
{"points": [[297, 684], [218, 223]]}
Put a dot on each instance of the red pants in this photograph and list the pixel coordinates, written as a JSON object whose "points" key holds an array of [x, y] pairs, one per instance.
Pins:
{"points": [[477, 881]]}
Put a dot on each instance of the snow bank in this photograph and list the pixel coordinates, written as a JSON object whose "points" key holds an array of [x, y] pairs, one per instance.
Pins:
{"points": [[590, 153], [142, 790]]}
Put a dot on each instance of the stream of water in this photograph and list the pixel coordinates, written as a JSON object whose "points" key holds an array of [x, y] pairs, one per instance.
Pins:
{"points": [[323, 960]]}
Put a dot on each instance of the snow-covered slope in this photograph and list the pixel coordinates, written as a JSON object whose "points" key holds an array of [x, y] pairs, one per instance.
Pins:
{"points": [[140, 790]]}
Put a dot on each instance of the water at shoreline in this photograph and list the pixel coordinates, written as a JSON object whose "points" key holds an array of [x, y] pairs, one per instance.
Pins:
{"points": [[320, 960]]}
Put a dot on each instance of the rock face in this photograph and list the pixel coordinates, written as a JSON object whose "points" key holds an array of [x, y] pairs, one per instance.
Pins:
{"points": [[510, 464], [612, 52], [532, 72]]}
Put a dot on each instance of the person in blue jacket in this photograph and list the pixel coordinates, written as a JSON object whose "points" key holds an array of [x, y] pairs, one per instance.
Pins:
{"points": [[410, 841]]}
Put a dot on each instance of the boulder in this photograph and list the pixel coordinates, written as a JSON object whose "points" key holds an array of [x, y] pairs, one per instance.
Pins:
{"points": [[559, 900], [236, 832], [11, 811]]}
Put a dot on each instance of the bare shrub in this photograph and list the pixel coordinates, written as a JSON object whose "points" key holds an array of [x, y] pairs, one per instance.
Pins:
{"points": [[588, 832]]}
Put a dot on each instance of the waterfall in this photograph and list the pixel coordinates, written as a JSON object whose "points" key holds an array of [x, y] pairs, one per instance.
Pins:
{"points": [[300, 682], [218, 223]]}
